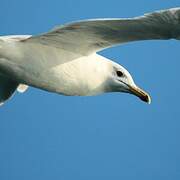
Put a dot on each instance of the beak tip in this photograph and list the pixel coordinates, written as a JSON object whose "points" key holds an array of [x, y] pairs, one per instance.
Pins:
{"points": [[149, 100], [146, 98]]}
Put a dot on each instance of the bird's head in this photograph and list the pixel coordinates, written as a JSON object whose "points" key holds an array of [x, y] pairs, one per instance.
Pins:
{"points": [[121, 81]]}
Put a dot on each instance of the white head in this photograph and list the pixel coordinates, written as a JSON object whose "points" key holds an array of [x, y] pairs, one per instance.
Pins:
{"points": [[120, 80]]}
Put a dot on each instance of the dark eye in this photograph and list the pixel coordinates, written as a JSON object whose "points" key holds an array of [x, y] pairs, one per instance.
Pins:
{"points": [[119, 73]]}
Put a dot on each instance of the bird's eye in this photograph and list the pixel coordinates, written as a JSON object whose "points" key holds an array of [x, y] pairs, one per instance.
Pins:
{"points": [[119, 73]]}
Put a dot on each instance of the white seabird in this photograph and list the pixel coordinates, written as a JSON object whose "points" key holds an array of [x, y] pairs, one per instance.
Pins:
{"points": [[65, 60]]}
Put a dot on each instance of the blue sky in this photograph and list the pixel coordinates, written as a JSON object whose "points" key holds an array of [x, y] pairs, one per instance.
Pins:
{"points": [[111, 136]]}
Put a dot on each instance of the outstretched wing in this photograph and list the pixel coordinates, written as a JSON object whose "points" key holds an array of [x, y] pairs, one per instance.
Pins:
{"points": [[90, 36]]}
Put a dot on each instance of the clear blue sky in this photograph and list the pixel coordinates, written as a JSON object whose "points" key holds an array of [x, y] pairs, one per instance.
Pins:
{"points": [[112, 136]]}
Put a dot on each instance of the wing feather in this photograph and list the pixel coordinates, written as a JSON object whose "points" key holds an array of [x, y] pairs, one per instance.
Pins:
{"points": [[85, 37]]}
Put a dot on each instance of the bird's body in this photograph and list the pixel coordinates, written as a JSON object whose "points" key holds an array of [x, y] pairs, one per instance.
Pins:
{"points": [[41, 68], [65, 61]]}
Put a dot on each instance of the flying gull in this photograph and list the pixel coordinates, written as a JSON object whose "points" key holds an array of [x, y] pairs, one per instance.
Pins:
{"points": [[65, 60]]}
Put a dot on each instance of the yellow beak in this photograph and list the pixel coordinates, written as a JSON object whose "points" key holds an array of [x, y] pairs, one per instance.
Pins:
{"points": [[144, 96]]}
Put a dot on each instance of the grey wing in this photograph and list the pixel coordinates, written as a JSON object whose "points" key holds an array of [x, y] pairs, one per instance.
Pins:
{"points": [[85, 37]]}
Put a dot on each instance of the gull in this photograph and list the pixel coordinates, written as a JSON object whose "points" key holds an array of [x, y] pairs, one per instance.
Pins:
{"points": [[65, 60]]}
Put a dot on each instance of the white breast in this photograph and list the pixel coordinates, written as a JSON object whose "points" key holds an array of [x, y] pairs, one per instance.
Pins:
{"points": [[82, 76]]}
